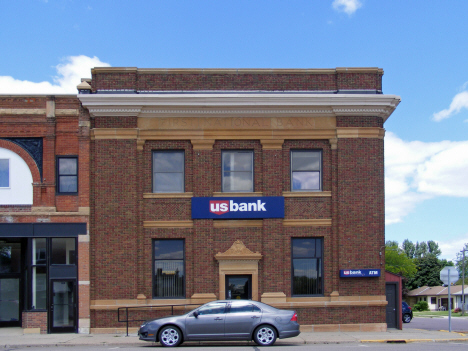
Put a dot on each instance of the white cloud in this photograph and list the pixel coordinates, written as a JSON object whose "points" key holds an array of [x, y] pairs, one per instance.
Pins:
{"points": [[348, 6], [459, 102], [69, 75], [450, 248], [416, 171]]}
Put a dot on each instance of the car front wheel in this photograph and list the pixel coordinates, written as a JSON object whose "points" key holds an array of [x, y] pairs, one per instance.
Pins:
{"points": [[170, 336], [406, 318], [265, 335]]}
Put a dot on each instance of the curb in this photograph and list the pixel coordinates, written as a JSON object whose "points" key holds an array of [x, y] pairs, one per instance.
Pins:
{"points": [[407, 341]]}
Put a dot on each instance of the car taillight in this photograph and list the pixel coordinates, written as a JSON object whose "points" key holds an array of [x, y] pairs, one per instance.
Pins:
{"points": [[294, 317], [410, 308]]}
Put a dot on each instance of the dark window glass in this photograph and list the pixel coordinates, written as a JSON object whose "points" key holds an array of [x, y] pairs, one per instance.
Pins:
{"points": [[67, 175], [4, 173], [168, 171], [237, 171], [243, 307], [63, 251], [10, 257], [169, 268], [307, 267], [433, 300], [306, 170], [212, 308]]}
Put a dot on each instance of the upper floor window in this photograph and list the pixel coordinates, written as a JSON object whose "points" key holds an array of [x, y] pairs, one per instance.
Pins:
{"points": [[169, 268], [168, 171], [237, 171], [306, 170], [67, 175], [4, 173], [307, 266]]}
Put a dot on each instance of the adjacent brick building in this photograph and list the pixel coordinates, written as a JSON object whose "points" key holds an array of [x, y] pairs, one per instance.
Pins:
{"points": [[44, 212], [217, 183]]}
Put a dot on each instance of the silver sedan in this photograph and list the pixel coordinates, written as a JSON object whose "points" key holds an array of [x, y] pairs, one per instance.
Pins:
{"points": [[224, 320]]}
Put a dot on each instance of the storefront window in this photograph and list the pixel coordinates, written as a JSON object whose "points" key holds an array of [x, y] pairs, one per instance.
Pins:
{"points": [[307, 266], [63, 251], [169, 268], [39, 274]]}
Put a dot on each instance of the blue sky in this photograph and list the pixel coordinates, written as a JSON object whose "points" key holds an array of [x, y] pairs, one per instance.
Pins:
{"points": [[47, 46]]}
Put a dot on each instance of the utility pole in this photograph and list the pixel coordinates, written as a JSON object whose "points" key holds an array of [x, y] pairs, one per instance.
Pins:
{"points": [[463, 283]]}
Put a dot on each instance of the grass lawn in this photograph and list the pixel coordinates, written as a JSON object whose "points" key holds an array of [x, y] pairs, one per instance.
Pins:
{"points": [[436, 314]]}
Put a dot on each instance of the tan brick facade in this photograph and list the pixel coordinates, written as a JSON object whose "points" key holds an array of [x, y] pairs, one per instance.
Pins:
{"points": [[341, 112]]}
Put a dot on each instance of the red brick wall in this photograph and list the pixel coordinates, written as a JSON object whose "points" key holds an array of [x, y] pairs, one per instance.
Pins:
{"points": [[246, 80], [35, 320]]}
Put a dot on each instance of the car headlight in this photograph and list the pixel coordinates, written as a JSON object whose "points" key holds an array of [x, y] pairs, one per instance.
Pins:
{"points": [[144, 324]]}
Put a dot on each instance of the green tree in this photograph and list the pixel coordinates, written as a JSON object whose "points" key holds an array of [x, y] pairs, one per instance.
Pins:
{"points": [[433, 248], [409, 248], [396, 261], [460, 265], [428, 271]]}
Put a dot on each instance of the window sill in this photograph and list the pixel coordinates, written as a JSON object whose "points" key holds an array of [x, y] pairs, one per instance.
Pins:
{"points": [[240, 194], [307, 193], [167, 195]]}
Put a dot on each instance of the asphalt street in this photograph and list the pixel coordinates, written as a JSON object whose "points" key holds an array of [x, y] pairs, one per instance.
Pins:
{"points": [[438, 323]]}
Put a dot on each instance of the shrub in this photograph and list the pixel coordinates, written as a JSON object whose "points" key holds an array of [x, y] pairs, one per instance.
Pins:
{"points": [[457, 310], [421, 306]]}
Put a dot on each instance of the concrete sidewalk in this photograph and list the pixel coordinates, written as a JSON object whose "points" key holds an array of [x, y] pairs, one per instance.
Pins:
{"points": [[14, 337]]}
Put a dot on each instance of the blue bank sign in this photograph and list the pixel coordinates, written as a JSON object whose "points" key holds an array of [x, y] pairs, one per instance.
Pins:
{"points": [[237, 207], [359, 273]]}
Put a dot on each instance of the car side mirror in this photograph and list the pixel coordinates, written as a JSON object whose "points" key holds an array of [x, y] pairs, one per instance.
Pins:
{"points": [[195, 314]]}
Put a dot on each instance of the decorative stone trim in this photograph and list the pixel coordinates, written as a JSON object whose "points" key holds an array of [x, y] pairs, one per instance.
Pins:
{"points": [[272, 144], [167, 224], [307, 193], [378, 133], [167, 195], [206, 144], [307, 222], [237, 223], [238, 251], [252, 194]]}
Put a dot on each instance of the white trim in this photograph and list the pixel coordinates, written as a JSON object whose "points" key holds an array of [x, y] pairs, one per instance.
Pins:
{"points": [[158, 104]]}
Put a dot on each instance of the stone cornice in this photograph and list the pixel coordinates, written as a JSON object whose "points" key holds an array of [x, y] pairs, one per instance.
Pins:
{"points": [[239, 104]]}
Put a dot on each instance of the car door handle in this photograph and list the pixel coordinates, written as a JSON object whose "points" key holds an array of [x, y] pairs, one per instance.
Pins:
{"points": [[218, 319], [253, 317]]}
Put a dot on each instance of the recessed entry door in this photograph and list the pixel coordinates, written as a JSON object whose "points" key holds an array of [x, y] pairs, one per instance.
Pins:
{"points": [[10, 284], [63, 307], [238, 287]]}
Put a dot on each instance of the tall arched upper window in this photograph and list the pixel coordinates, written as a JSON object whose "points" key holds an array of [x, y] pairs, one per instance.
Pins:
{"points": [[15, 179]]}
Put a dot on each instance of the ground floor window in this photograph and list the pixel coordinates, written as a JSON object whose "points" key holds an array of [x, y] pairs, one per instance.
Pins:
{"points": [[307, 266], [169, 268]]}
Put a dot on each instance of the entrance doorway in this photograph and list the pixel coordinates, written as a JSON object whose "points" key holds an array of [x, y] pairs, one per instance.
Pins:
{"points": [[63, 307], [238, 287], [10, 283]]}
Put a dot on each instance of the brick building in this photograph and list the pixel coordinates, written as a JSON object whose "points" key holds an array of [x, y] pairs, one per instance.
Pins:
{"points": [[44, 212], [224, 183]]}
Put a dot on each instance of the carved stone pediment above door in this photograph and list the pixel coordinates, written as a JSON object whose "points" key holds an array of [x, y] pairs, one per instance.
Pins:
{"points": [[238, 260]]}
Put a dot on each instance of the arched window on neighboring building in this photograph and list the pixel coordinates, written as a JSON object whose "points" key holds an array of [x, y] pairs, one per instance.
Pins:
{"points": [[15, 179]]}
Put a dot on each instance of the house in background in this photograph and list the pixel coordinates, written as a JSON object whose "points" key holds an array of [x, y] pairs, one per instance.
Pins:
{"points": [[437, 297]]}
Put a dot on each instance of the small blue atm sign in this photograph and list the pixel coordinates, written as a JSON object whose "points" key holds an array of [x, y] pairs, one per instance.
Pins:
{"points": [[237, 207], [359, 273]]}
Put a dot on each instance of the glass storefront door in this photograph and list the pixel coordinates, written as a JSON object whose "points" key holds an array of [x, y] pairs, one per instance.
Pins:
{"points": [[238, 287], [63, 306], [10, 287]]}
